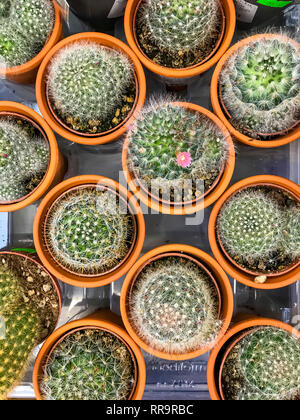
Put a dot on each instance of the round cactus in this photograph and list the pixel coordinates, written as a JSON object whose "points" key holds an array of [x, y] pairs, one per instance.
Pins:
{"points": [[174, 306], [24, 158], [170, 145], [88, 85], [264, 365], [260, 86], [89, 231], [10, 290], [89, 365]]}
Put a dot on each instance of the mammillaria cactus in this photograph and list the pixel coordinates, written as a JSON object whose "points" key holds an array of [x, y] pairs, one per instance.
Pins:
{"points": [[24, 158], [179, 33], [264, 365], [174, 306], [89, 231], [260, 86], [91, 87], [176, 151], [89, 365]]}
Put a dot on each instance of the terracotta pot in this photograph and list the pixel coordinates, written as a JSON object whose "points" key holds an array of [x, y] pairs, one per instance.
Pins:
{"points": [[217, 355], [26, 73], [275, 280], [104, 320], [215, 270], [230, 22], [32, 257], [283, 138], [57, 165], [59, 271], [184, 208], [48, 113]]}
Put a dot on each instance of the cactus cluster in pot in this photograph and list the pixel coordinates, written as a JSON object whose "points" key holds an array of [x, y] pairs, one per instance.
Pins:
{"points": [[260, 86], [179, 33], [263, 365], [25, 26]]}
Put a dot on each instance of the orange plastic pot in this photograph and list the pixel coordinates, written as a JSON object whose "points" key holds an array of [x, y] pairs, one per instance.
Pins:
{"points": [[103, 319], [26, 73], [211, 265], [294, 134], [47, 259], [197, 205], [230, 23], [275, 281], [216, 357], [41, 88], [57, 165]]}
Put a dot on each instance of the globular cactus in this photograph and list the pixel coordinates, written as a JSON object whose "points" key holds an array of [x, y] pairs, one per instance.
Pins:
{"points": [[24, 159], [264, 365], [169, 145], [10, 290], [291, 233], [89, 231], [174, 306], [260, 86], [89, 365], [87, 84]]}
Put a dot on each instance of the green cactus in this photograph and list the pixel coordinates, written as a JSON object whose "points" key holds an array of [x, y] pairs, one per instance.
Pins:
{"points": [[264, 365], [260, 86], [14, 49], [170, 145], [89, 231], [87, 84], [291, 233], [10, 290], [174, 306], [89, 365], [24, 159]]}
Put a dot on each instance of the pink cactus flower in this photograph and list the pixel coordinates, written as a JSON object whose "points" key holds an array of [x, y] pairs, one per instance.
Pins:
{"points": [[184, 159]]}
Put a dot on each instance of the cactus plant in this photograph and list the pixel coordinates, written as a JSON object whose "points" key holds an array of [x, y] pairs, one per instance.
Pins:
{"points": [[291, 233], [264, 365], [260, 86], [174, 306], [14, 49], [24, 158], [89, 86], [170, 145], [179, 33], [89, 231], [89, 365]]}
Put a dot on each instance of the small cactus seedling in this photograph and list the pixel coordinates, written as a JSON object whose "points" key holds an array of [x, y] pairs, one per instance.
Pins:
{"points": [[89, 231], [174, 306], [10, 290], [89, 365], [264, 365], [260, 86], [89, 86], [179, 33], [24, 158], [175, 151]]}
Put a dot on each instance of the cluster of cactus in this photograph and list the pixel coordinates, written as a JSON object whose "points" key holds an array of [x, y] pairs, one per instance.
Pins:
{"points": [[268, 362], [174, 306], [260, 86], [253, 225], [89, 231], [25, 28], [170, 145], [23, 158], [89, 365], [87, 84]]}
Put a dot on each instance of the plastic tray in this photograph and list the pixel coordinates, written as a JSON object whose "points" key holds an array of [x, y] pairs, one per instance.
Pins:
{"points": [[165, 380]]}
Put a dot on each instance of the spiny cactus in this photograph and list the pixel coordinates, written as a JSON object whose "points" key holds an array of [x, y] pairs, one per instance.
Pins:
{"points": [[14, 49], [291, 233], [169, 145], [89, 231], [265, 365], [180, 27], [22, 333], [24, 158], [260, 86], [89, 365], [174, 306], [10, 290], [87, 84]]}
